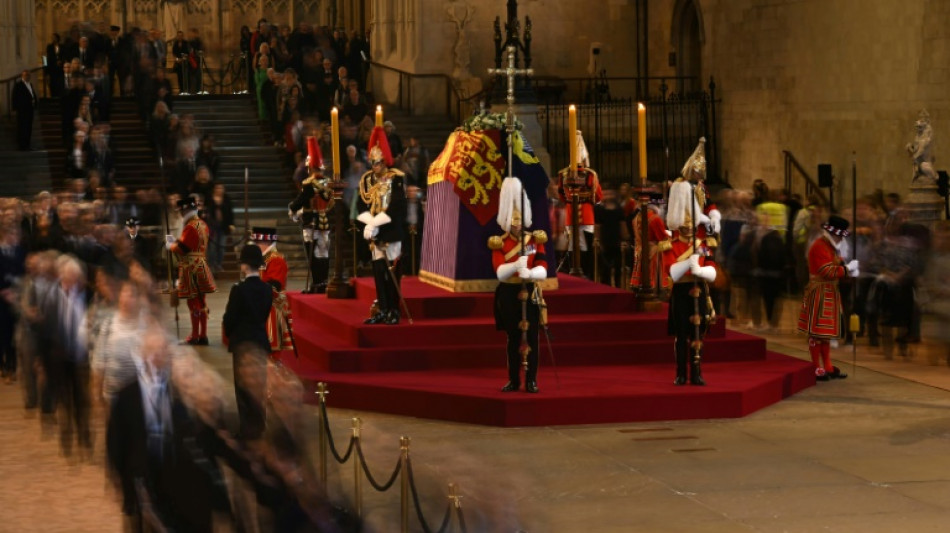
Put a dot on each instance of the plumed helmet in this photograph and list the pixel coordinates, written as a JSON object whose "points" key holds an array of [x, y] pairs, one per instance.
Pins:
{"points": [[696, 162], [314, 156], [378, 148], [509, 205]]}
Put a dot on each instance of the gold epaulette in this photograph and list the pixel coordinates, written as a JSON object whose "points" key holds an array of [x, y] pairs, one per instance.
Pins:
{"points": [[540, 236], [495, 242], [664, 245]]}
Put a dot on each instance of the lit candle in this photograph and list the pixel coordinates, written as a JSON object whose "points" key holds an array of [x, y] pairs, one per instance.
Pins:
{"points": [[379, 116], [335, 135], [642, 137], [572, 135]]}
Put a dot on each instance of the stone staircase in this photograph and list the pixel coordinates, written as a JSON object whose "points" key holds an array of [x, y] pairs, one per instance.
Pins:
{"points": [[241, 140], [135, 163], [24, 173]]}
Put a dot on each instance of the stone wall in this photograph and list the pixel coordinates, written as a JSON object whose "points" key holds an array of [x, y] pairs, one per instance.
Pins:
{"points": [[825, 78], [17, 44]]}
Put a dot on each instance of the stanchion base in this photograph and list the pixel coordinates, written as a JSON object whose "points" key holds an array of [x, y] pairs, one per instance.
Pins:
{"points": [[340, 289], [646, 300]]}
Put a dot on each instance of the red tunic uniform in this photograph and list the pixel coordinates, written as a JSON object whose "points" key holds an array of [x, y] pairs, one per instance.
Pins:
{"points": [[194, 275], [660, 243], [820, 315], [592, 184], [275, 273], [510, 251]]}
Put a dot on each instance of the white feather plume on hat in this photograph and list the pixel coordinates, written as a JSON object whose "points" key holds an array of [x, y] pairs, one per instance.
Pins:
{"points": [[583, 156], [510, 200], [679, 210]]}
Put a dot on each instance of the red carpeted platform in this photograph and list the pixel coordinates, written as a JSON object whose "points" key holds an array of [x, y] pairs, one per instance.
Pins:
{"points": [[613, 363]]}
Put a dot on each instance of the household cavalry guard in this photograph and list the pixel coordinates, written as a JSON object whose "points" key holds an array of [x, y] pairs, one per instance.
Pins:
{"points": [[585, 186], [311, 209], [518, 256], [382, 212], [194, 276], [274, 273], [695, 223]]}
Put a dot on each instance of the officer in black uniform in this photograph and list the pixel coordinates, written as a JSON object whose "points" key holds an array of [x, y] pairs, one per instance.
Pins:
{"points": [[382, 212], [245, 329]]}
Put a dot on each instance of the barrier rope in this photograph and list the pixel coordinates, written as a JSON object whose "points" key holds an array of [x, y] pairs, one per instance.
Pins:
{"points": [[326, 426], [415, 503], [355, 443], [369, 476]]}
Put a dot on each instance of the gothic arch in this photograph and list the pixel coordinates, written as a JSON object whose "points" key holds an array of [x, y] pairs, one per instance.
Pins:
{"points": [[687, 36]]}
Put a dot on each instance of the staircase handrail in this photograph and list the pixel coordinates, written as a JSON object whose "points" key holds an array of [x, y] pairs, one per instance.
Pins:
{"points": [[811, 186], [454, 100], [8, 87]]}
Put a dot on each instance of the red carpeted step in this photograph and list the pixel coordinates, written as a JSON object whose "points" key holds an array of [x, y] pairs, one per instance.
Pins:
{"points": [[342, 358], [615, 363], [585, 395]]}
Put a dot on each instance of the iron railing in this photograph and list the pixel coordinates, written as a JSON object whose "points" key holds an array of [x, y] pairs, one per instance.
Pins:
{"points": [[804, 184], [675, 122]]}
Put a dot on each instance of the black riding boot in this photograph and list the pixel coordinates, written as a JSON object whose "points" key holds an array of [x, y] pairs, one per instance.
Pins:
{"points": [[681, 348], [393, 279], [695, 369], [382, 293], [321, 272], [312, 265]]}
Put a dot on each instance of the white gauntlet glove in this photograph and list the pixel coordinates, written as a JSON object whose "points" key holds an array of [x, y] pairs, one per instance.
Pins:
{"points": [[694, 263], [715, 217], [524, 274], [539, 273], [853, 269], [522, 262], [169, 241], [678, 270], [369, 232]]}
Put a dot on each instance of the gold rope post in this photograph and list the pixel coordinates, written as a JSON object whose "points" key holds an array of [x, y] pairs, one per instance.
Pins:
{"points": [[357, 475], [404, 484], [322, 393]]}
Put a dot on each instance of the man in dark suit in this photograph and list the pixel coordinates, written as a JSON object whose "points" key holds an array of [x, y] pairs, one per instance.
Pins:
{"points": [[54, 66], [245, 328], [162, 454], [24, 102]]}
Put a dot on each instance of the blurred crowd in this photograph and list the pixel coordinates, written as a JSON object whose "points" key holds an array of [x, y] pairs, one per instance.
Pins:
{"points": [[762, 259], [83, 331]]}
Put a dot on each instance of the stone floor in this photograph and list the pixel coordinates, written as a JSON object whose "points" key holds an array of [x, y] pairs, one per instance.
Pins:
{"points": [[869, 453]]}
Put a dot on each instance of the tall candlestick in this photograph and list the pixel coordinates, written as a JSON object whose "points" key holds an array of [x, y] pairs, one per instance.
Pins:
{"points": [[642, 137], [572, 135], [335, 135], [379, 115]]}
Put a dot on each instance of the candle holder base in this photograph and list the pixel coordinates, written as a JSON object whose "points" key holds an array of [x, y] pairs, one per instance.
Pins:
{"points": [[340, 289]]}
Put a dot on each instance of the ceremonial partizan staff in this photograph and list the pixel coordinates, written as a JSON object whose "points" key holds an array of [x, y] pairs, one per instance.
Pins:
{"points": [[194, 275]]}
